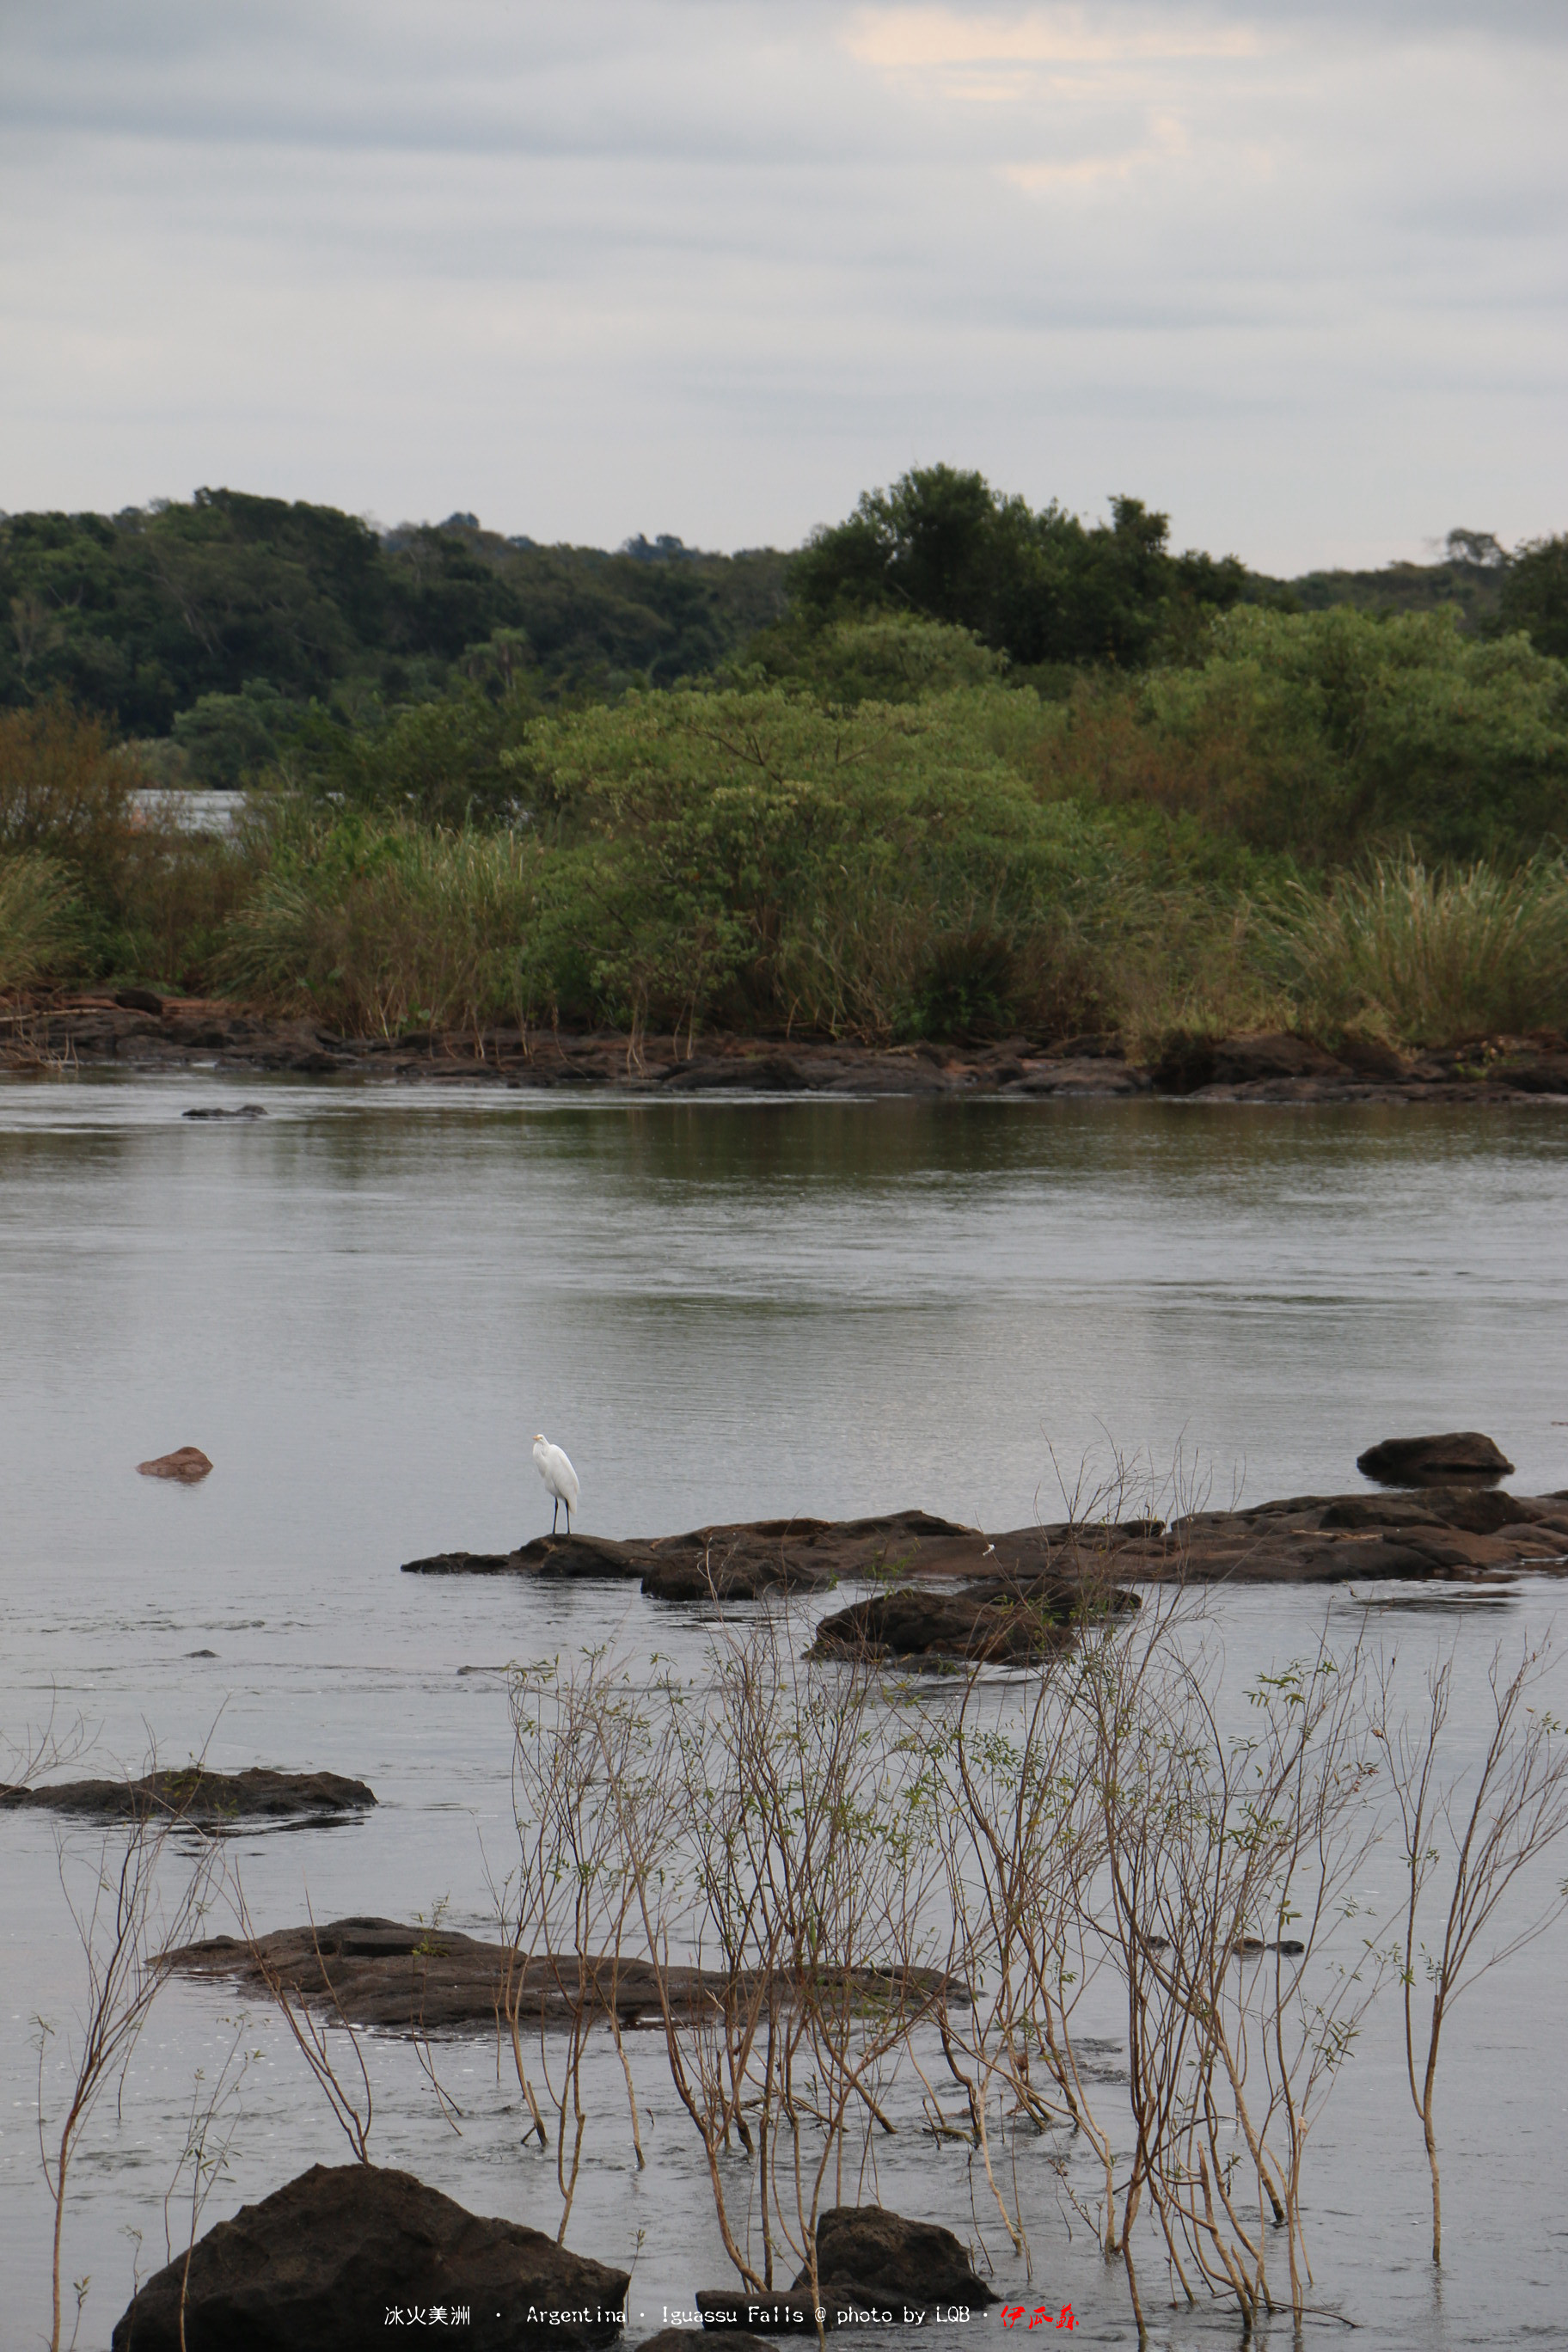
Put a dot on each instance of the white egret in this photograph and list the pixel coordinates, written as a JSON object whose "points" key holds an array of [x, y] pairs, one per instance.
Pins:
{"points": [[560, 1478]]}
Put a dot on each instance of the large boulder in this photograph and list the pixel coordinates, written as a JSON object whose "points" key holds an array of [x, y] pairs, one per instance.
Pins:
{"points": [[323, 2264], [1432, 1461]]}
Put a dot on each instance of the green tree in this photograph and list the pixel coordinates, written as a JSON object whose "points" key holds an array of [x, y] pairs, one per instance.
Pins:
{"points": [[1535, 594]]}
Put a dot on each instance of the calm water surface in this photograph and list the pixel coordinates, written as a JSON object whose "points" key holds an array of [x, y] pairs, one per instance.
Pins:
{"points": [[363, 1305]]}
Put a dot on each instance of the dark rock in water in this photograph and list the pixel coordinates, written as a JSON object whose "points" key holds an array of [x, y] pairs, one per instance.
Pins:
{"points": [[763, 1073], [1480, 1510], [577, 1555], [1188, 1061], [462, 1563], [735, 1562], [197, 1795], [1002, 1620], [245, 1110], [740, 1561], [1429, 1461], [401, 1980], [139, 1000], [874, 2269], [917, 2260], [993, 1592], [322, 2263], [186, 1463]]}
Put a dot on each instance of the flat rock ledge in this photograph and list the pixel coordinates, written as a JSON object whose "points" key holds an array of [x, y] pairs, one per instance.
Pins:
{"points": [[214, 1799], [419, 1981], [874, 2269], [140, 1028], [733, 1562], [322, 2263], [1032, 1577]]}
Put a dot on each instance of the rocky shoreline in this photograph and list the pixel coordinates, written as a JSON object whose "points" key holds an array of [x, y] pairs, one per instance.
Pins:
{"points": [[137, 1029]]}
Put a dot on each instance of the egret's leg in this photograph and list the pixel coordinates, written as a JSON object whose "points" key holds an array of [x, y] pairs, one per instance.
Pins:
{"points": [[568, 1518], [554, 1511]]}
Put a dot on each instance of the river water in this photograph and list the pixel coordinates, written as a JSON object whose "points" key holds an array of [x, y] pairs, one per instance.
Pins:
{"points": [[361, 1307]]}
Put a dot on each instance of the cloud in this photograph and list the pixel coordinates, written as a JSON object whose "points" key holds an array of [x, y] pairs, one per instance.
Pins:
{"points": [[906, 39], [1293, 270]]}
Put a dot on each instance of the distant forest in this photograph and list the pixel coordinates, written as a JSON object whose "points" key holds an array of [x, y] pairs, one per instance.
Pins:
{"points": [[222, 630]]}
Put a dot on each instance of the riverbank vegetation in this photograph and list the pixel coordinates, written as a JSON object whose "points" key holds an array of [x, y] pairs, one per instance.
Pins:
{"points": [[958, 769]]}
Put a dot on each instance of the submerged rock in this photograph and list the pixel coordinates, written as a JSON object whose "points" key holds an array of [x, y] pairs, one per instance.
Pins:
{"points": [[196, 1794], [1430, 1461], [322, 2263], [187, 1463]]}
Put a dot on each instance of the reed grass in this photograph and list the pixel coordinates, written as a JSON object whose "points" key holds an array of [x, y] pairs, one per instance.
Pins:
{"points": [[1427, 956], [383, 930], [40, 921]]}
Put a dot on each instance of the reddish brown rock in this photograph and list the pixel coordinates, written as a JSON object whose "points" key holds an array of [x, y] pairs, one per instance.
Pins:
{"points": [[186, 1463]]}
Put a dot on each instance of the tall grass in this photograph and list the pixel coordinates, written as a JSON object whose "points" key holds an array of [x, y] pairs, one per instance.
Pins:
{"points": [[383, 930], [40, 921], [1428, 957]]}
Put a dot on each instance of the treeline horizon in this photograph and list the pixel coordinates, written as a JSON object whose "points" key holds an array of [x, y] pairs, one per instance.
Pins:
{"points": [[216, 623]]}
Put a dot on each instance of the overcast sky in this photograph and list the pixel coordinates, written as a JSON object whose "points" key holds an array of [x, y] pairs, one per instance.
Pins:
{"points": [[1293, 270]]}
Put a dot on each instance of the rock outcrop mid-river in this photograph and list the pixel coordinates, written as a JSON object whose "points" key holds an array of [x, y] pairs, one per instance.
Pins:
{"points": [[1464, 1531], [727, 1563]]}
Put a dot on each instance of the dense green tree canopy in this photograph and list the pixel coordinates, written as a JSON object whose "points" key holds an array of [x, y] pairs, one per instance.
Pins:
{"points": [[144, 615], [1041, 587]]}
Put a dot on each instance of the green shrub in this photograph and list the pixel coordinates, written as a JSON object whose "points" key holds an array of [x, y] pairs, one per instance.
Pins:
{"points": [[1323, 735]]}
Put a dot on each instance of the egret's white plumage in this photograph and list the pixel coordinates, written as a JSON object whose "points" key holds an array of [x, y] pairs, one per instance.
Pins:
{"points": [[560, 1478]]}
